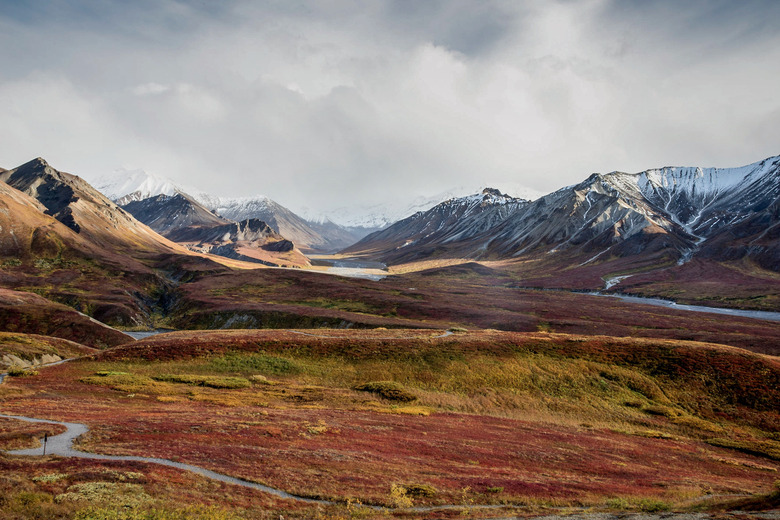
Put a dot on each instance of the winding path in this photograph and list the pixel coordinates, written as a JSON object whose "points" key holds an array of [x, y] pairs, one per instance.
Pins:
{"points": [[62, 445]]}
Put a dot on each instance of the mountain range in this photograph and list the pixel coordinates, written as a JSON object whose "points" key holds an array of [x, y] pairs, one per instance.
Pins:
{"points": [[140, 193], [672, 232], [661, 217]]}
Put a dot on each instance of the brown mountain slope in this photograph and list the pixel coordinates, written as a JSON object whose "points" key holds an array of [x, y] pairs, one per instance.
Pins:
{"points": [[29, 313], [251, 240], [79, 206], [100, 260], [185, 221]]}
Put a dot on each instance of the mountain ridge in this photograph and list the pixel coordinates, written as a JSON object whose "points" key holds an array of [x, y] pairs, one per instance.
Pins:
{"points": [[673, 209]]}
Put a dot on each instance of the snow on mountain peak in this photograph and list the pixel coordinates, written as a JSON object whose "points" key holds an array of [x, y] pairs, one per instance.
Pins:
{"points": [[127, 185]]}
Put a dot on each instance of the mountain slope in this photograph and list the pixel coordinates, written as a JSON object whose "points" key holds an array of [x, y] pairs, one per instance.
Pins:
{"points": [[308, 236], [667, 215], [97, 259], [73, 202], [170, 213], [445, 229], [250, 240], [185, 221], [322, 235]]}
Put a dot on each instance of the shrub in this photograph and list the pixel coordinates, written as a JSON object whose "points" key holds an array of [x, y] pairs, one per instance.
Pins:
{"points": [[17, 371], [399, 498], [121, 381], [389, 390], [420, 490], [189, 513], [649, 505], [53, 477], [695, 423], [127, 495], [620, 504], [199, 380], [494, 490], [763, 449], [31, 498]]}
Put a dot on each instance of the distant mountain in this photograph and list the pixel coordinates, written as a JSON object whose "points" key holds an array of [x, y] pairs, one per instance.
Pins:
{"points": [[672, 213], [309, 236], [250, 240], [167, 214], [370, 218], [449, 227], [125, 186], [185, 221]]}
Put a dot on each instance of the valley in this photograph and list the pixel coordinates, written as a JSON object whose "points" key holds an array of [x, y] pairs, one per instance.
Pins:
{"points": [[230, 359]]}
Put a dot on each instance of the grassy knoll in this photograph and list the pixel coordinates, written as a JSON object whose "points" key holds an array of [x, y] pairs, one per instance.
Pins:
{"points": [[30, 349], [398, 417]]}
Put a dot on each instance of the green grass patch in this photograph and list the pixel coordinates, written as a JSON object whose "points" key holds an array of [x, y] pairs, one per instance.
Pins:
{"points": [[204, 380], [263, 363], [16, 371], [770, 449]]}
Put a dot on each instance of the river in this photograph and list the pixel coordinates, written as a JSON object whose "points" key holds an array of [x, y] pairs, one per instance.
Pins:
{"points": [[760, 315]]}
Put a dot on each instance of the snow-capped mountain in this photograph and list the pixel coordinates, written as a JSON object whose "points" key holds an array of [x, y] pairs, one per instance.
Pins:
{"points": [[671, 212], [322, 236], [124, 186], [167, 205], [168, 214], [453, 222], [379, 216]]}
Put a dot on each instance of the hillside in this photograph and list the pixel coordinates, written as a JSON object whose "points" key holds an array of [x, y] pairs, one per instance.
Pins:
{"points": [[495, 423], [65, 241], [185, 221], [308, 236], [638, 229]]}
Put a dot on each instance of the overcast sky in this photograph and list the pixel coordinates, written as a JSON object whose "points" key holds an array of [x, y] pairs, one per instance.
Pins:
{"points": [[319, 104]]}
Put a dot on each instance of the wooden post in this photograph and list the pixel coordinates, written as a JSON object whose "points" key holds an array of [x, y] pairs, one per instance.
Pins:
{"points": [[45, 440]]}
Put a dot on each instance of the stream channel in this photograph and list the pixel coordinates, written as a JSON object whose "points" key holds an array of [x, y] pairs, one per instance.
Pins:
{"points": [[760, 315]]}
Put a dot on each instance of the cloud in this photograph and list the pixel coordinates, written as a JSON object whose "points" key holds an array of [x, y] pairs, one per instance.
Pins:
{"points": [[327, 104], [150, 89]]}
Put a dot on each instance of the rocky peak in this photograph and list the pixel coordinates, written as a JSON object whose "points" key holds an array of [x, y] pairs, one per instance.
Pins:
{"points": [[494, 192]]}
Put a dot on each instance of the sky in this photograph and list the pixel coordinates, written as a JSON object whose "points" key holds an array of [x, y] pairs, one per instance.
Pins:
{"points": [[344, 104]]}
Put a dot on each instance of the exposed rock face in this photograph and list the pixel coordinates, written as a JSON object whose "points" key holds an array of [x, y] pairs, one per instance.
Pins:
{"points": [[308, 236], [450, 226], [184, 220], [717, 213], [82, 208], [250, 240], [250, 230], [168, 214]]}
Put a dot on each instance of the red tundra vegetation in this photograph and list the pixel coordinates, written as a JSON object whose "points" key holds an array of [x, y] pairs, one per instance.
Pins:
{"points": [[526, 420]]}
